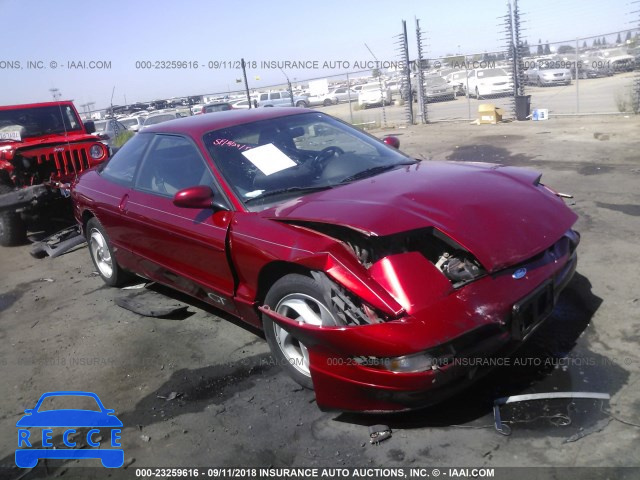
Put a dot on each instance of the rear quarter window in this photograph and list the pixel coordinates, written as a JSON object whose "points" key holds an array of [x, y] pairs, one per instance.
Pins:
{"points": [[121, 168]]}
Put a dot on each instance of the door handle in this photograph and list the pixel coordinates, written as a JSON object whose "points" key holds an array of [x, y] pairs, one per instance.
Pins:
{"points": [[123, 203]]}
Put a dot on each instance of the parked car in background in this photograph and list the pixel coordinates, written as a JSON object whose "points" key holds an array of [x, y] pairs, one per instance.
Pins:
{"points": [[458, 80], [543, 74], [317, 100], [133, 123], [488, 82], [281, 99], [156, 118], [591, 67], [394, 85], [109, 130], [374, 94], [196, 109], [216, 107], [437, 89], [342, 94], [243, 103], [374, 276], [619, 59]]}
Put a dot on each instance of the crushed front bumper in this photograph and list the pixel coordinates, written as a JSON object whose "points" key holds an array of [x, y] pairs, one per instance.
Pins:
{"points": [[24, 197], [478, 323]]}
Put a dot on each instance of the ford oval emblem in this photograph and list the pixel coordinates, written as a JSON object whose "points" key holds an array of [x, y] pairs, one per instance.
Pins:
{"points": [[519, 273]]}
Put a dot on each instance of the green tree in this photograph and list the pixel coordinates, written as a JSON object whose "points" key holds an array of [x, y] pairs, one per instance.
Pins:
{"points": [[547, 50], [619, 38], [540, 50]]}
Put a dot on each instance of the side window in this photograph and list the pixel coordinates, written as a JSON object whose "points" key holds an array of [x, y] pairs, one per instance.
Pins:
{"points": [[285, 95], [275, 96], [264, 96], [122, 166], [171, 164]]}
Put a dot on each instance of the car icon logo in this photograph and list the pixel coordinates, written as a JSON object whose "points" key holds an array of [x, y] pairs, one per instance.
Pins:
{"points": [[519, 273], [100, 422]]}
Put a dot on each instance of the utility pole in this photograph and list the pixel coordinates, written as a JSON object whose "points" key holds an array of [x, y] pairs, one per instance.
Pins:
{"points": [[246, 83]]}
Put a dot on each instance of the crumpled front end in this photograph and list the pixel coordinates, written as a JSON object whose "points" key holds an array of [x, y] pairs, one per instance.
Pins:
{"points": [[453, 322], [55, 164]]}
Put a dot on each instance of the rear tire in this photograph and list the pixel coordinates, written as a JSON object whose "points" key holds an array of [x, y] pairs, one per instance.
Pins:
{"points": [[13, 231], [102, 255], [298, 297]]}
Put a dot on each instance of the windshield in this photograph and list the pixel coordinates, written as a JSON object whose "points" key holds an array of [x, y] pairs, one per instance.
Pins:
{"points": [[158, 119], [100, 126], [269, 161], [493, 72], [129, 122], [36, 121]]}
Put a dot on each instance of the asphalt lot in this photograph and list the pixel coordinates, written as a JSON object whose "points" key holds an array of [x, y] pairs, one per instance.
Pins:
{"points": [[226, 404], [595, 95]]}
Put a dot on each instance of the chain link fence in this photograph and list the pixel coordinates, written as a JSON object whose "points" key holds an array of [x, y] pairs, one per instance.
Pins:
{"points": [[590, 75]]}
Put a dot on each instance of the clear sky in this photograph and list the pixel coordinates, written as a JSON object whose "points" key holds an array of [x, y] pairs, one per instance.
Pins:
{"points": [[123, 32]]}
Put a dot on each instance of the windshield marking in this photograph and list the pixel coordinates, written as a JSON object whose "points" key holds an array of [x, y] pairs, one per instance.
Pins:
{"points": [[223, 142]]}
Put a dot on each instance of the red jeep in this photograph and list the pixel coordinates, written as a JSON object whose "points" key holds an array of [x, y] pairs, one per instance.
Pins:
{"points": [[43, 146]]}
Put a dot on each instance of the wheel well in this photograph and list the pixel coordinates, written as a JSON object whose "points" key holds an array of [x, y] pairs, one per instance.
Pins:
{"points": [[86, 216], [273, 272]]}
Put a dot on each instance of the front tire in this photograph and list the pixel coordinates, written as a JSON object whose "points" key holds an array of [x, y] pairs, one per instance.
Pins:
{"points": [[13, 231], [102, 254], [300, 298]]}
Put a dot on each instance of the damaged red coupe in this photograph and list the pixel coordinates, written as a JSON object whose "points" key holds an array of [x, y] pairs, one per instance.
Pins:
{"points": [[375, 277]]}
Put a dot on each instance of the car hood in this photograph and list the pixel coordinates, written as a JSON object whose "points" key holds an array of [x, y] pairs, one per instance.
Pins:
{"points": [[498, 213]]}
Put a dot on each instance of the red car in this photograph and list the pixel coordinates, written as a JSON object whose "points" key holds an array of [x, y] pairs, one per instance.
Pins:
{"points": [[375, 277]]}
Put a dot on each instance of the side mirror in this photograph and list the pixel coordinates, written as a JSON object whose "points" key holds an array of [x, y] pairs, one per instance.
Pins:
{"points": [[90, 126], [199, 196], [392, 141]]}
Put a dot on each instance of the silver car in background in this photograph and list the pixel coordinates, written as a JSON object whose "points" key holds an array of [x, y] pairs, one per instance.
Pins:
{"points": [[544, 74]]}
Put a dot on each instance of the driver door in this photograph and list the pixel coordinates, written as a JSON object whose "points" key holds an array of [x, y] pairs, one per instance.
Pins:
{"points": [[182, 247]]}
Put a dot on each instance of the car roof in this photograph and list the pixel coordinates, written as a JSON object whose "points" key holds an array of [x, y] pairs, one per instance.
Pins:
{"points": [[198, 125], [34, 105]]}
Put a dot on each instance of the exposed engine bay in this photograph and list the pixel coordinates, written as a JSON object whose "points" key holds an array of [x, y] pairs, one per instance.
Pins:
{"points": [[456, 263]]}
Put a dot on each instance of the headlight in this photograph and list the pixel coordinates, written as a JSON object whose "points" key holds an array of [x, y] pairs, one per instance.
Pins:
{"points": [[96, 152], [410, 363], [418, 362]]}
